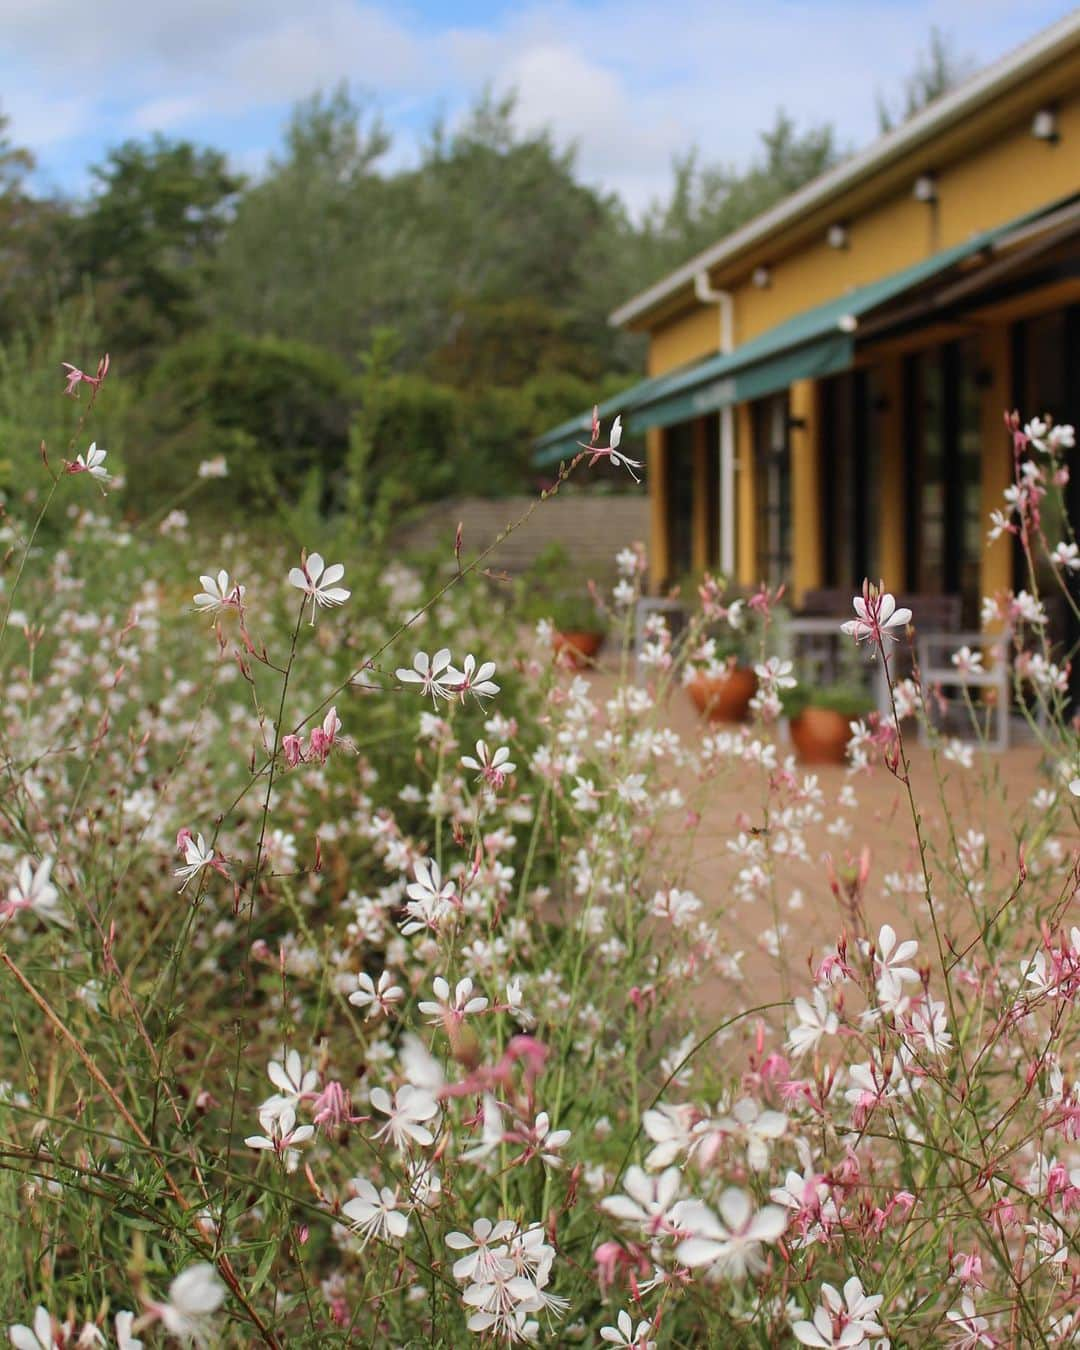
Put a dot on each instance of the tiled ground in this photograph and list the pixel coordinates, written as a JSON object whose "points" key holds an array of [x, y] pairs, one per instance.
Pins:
{"points": [[991, 798]]}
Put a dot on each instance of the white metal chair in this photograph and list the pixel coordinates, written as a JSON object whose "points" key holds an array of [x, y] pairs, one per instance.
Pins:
{"points": [[936, 668]]}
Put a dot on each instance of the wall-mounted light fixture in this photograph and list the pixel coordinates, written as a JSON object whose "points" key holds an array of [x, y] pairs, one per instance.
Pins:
{"points": [[837, 236], [925, 189], [761, 278], [847, 323], [1044, 126]]}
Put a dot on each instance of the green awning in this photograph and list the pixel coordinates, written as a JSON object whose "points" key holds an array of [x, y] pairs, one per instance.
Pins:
{"points": [[818, 342]]}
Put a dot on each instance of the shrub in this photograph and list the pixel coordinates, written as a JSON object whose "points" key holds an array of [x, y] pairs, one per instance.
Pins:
{"points": [[372, 981], [275, 409]]}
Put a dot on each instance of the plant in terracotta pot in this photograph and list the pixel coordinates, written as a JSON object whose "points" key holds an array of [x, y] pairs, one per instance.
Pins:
{"points": [[720, 678], [820, 719], [580, 628]]}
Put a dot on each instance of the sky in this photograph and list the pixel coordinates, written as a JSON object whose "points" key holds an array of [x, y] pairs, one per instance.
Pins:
{"points": [[631, 83]]}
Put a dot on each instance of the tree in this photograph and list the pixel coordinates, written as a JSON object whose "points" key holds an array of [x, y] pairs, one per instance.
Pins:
{"points": [[320, 248], [521, 256], [937, 70], [148, 235], [708, 202], [32, 268]]}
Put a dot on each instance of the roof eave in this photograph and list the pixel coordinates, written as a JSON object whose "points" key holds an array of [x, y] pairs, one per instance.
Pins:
{"points": [[1011, 69]]}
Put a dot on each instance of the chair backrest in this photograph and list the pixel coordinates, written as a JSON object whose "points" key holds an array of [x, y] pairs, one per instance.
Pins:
{"points": [[930, 613], [933, 613], [826, 601]]}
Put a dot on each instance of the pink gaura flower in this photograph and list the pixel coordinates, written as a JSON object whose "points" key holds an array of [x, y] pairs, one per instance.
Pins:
{"points": [[75, 377]]}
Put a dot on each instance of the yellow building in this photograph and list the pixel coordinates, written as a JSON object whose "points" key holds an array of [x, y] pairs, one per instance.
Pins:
{"points": [[826, 385]]}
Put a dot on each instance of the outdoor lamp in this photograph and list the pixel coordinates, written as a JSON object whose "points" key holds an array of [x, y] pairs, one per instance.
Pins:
{"points": [[837, 236], [761, 278], [1044, 125], [925, 189]]}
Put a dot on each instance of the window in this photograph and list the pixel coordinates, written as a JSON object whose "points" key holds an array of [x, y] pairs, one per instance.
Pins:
{"points": [[943, 446]]}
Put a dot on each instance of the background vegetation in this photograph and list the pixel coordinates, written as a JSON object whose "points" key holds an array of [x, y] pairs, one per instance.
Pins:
{"points": [[337, 309]]}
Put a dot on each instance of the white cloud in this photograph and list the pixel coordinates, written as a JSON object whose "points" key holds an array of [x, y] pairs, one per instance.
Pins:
{"points": [[631, 82]]}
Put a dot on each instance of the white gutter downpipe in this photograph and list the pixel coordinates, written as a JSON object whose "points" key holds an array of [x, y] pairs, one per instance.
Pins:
{"points": [[705, 292]]}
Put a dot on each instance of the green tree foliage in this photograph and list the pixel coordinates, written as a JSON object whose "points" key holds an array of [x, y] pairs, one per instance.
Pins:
{"points": [[319, 249], [276, 409], [359, 334], [708, 202], [31, 252], [147, 237], [938, 69]]}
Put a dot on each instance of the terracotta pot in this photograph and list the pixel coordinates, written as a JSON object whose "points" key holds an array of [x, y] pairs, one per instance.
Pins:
{"points": [[821, 735], [727, 698], [577, 649]]}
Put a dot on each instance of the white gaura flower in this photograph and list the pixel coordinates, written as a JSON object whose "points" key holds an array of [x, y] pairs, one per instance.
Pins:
{"points": [[731, 1244], [971, 1330], [968, 662], [816, 1019], [196, 856], [492, 1132], [476, 679], [445, 1008], [756, 1127], [624, 1333], [282, 1135], [611, 450], [842, 1321], [434, 674], [219, 593], [125, 1340], [484, 1247], [374, 1213], [407, 1114], [376, 998], [38, 1337], [194, 1297], [217, 467], [32, 889], [891, 972], [292, 1081], [419, 1066], [877, 616], [93, 463], [315, 579], [429, 900], [671, 1130], [649, 1203], [493, 766]]}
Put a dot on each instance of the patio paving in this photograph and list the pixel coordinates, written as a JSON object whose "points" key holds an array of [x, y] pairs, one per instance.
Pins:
{"points": [[991, 798]]}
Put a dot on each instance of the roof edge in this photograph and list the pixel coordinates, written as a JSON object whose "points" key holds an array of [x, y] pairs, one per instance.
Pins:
{"points": [[1009, 69]]}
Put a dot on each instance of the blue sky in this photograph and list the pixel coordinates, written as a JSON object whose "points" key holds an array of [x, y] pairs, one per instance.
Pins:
{"points": [[630, 82]]}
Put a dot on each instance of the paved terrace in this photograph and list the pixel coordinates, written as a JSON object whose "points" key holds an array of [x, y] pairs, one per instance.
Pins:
{"points": [[882, 822]]}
